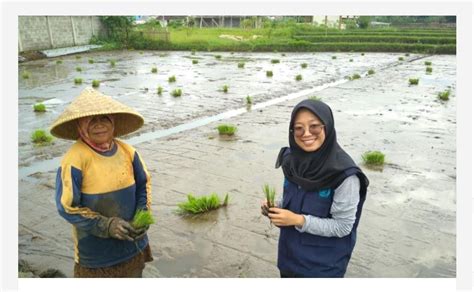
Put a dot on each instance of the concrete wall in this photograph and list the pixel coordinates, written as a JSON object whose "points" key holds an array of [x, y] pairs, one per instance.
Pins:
{"points": [[49, 32]]}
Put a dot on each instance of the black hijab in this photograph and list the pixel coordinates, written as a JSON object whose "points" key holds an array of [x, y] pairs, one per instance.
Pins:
{"points": [[324, 168]]}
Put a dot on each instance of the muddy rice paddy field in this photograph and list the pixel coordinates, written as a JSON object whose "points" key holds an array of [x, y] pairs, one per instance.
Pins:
{"points": [[408, 224]]}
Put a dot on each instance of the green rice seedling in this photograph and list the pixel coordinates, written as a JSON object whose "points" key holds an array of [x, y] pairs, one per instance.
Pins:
{"points": [[371, 72], [78, 69], [225, 88], [226, 200], [429, 69], [112, 63], [298, 77], [283, 55], [304, 65], [269, 193], [193, 52], [444, 96], [413, 81], [59, 62], [25, 75], [39, 107], [355, 76], [373, 158], [351, 60], [78, 57], [334, 57], [172, 79], [91, 61], [162, 55], [196, 205], [407, 55], [218, 57], [154, 70], [176, 92], [77, 80], [159, 90], [95, 83], [141, 52], [142, 219], [41, 137], [226, 129], [241, 65], [275, 61], [362, 54], [269, 73], [195, 61], [400, 58], [428, 63], [249, 100], [314, 97]]}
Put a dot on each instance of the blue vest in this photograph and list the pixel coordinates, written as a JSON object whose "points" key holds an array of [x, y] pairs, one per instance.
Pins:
{"points": [[308, 255]]}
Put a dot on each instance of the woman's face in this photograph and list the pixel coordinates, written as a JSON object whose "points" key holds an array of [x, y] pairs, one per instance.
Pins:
{"points": [[100, 130], [308, 131]]}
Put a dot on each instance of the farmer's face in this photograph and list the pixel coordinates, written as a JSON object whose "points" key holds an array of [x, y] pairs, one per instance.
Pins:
{"points": [[308, 131], [100, 130]]}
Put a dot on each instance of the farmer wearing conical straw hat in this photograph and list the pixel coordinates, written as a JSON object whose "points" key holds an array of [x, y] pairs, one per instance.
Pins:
{"points": [[100, 185]]}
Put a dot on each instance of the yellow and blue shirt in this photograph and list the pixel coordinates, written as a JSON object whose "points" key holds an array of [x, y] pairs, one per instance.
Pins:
{"points": [[91, 188]]}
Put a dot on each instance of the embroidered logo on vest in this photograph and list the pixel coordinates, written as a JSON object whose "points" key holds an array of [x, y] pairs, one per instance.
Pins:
{"points": [[324, 193]]}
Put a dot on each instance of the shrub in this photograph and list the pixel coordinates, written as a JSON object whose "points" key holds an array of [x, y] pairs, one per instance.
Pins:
{"points": [[225, 88], [429, 69], [269, 73], [196, 205], [95, 83], [304, 65], [373, 158], [226, 129], [39, 107], [154, 70], [91, 61], [241, 65], [195, 61], [427, 63], [298, 77], [413, 81], [159, 90], [78, 69], [41, 137], [78, 81], [371, 72], [275, 61], [176, 92], [444, 95], [142, 218], [172, 79]]}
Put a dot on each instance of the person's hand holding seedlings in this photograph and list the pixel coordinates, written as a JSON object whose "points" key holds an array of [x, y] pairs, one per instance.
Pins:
{"points": [[283, 217], [121, 229]]}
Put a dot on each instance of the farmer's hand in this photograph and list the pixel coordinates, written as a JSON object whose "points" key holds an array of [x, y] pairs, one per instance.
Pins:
{"points": [[121, 229], [140, 233], [283, 217]]}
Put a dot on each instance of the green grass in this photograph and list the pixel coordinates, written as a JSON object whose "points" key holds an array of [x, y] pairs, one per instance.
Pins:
{"points": [[314, 97], [298, 77], [39, 107], [78, 69], [355, 76], [248, 100], [429, 69], [159, 90], [41, 137], [154, 70], [371, 72], [427, 63], [304, 65], [91, 61], [275, 61], [400, 59], [172, 79], [142, 218], [241, 65], [226, 129], [373, 158], [225, 88], [269, 73], [334, 57], [95, 83], [58, 62], [413, 81], [269, 193], [195, 61], [112, 63], [444, 96], [176, 92], [196, 205], [25, 75]]}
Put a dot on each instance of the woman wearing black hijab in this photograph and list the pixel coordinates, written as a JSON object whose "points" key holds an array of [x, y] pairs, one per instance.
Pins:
{"points": [[323, 195]]}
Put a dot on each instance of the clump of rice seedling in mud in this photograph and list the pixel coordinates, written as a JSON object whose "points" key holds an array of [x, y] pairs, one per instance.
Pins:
{"points": [[400, 59], [59, 62], [91, 61], [362, 54], [196, 205], [298, 77], [304, 65], [141, 52], [269, 193], [112, 63], [429, 69], [77, 81], [218, 57], [413, 81], [275, 61], [371, 72], [334, 57], [172, 79], [176, 92], [269, 73], [41, 137], [444, 96], [159, 90], [95, 83], [407, 55], [427, 63], [142, 219], [283, 54], [355, 76], [193, 52], [195, 61], [154, 70], [226, 129], [78, 69], [78, 57], [351, 60], [249, 100], [241, 65], [39, 107], [373, 158], [225, 88], [25, 75], [314, 97]]}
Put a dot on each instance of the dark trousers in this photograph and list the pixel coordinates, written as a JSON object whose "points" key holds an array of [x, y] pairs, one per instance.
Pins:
{"points": [[286, 274]]}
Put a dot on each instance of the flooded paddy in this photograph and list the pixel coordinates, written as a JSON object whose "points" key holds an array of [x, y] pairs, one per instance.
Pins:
{"points": [[408, 223]]}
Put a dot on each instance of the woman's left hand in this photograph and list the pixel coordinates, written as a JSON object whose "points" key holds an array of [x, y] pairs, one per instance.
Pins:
{"points": [[283, 217]]}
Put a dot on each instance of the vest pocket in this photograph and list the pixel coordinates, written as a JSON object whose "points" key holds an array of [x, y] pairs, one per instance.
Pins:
{"points": [[316, 240]]}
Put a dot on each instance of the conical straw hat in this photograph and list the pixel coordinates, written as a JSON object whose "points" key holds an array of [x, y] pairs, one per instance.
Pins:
{"points": [[90, 103]]}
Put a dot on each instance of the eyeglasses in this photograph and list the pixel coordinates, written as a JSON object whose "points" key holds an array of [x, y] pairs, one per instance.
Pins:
{"points": [[314, 129]]}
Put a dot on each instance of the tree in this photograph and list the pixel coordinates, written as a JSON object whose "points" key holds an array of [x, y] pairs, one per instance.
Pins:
{"points": [[118, 27], [363, 22]]}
